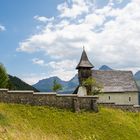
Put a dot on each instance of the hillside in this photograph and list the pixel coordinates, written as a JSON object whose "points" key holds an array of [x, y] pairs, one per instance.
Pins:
{"points": [[18, 84], [24, 122]]}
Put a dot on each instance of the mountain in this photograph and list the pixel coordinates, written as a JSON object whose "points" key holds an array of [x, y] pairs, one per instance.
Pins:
{"points": [[137, 75], [18, 84], [46, 85], [137, 78], [71, 85], [105, 67]]}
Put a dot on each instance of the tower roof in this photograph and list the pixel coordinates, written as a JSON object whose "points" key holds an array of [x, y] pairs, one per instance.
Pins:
{"points": [[84, 62]]}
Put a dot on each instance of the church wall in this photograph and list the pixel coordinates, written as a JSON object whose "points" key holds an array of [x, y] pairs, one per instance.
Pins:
{"points": [[129, 98]]}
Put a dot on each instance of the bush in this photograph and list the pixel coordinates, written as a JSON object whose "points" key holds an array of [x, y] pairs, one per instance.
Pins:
{"points": [[56, 86], [93, 88]]}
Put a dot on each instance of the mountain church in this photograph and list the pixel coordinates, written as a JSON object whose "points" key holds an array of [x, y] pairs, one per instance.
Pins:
{"points": [[118, 87]]}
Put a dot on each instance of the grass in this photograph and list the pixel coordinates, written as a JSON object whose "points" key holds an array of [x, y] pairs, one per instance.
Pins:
{"points": [[24, 122]]}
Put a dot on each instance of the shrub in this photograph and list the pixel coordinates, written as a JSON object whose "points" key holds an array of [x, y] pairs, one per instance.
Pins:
{"points": [[56, 86], [93, 88]]}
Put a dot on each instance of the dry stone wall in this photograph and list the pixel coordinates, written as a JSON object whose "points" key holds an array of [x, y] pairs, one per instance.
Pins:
{"points": [[68, 101]]}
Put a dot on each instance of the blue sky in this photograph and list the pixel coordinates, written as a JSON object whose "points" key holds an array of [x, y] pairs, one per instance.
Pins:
{"points": [[43, 38], [17, 18]]}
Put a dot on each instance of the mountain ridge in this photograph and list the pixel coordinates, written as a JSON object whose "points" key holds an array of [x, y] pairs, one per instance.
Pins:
{"points": [[70, 86], [45, 85]]}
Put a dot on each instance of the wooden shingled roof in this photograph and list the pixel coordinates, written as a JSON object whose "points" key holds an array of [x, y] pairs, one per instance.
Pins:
{"points": [[115, 81], [84, 61]]}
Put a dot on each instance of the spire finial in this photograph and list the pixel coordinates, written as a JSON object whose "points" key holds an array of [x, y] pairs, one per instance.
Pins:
{"points": [[83, 47]]}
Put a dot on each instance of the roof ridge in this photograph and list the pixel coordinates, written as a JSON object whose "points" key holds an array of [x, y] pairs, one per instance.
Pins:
{"points": [[113, 70]]}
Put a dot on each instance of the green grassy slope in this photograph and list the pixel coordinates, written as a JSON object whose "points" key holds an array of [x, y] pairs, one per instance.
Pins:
{"points": [[23, 122]]}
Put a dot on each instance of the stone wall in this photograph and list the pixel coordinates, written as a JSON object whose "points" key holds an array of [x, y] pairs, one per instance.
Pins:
{"points": [[130, 108], [69, 101]]}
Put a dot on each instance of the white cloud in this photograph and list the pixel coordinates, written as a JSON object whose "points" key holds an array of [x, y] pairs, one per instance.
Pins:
{"points": [[38, 61], [63, 74], [63, 69], [32, 78], [77, 8], [43, 18], [110, 35], [2, 28], [64, 64]]}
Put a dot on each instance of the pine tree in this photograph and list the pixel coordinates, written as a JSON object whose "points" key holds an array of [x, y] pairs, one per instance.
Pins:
{"points": [[3, 77]]}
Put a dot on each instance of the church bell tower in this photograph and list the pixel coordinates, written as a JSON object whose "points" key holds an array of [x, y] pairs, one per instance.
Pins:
{"points": [[84, 68]]}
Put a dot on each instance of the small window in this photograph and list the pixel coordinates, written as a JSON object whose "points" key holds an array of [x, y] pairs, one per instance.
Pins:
{"points": [[129, 99], [109, 97]]}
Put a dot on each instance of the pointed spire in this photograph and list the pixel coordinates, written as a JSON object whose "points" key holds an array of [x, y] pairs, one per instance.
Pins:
{"points": [[83, 48], [84, 62]]}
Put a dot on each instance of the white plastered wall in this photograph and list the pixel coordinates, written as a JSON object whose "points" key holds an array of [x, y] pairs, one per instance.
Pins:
{"points": [[130, 98]]}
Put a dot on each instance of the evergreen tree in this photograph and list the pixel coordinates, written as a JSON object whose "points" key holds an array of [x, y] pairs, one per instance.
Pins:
{"points": [[3, 77]]}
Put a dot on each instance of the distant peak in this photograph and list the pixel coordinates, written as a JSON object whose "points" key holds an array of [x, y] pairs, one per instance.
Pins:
{"points": [[54, 77], [105, 67]]}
